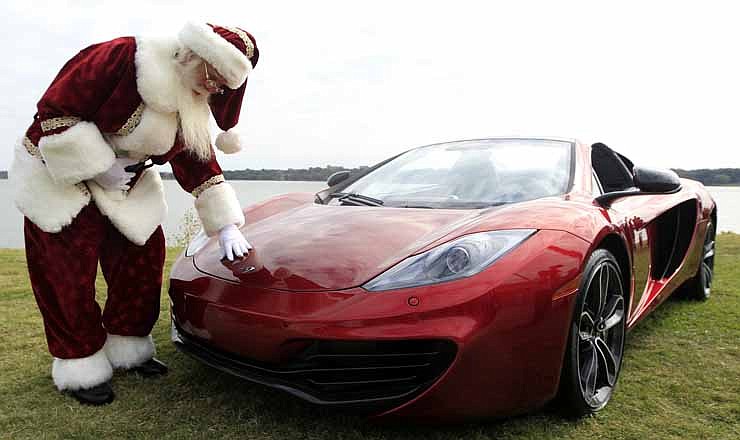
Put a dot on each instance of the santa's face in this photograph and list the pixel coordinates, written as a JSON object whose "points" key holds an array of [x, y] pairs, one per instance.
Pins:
{"points": [[203, 79], [213, 83]]}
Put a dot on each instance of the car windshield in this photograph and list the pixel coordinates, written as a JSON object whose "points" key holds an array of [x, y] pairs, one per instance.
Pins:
{"points": [[470, 174]]}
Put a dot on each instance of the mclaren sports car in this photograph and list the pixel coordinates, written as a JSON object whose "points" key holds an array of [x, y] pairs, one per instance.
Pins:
{"points": [[469, 279]]}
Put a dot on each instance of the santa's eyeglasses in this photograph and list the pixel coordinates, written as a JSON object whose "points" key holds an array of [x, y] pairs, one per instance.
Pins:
{"points": [[212, 84]]}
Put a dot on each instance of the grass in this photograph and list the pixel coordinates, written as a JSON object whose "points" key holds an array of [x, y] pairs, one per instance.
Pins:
{"points": [[680, 379]]}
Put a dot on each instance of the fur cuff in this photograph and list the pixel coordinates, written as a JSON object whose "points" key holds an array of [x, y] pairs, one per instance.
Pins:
{"points": [[128, 351], [47, 204], [229, 61], [81, 373], [217, 207], [76, 154]]}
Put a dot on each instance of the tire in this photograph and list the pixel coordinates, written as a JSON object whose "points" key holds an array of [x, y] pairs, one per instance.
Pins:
{"points": [[593, 356], [700, 286]]}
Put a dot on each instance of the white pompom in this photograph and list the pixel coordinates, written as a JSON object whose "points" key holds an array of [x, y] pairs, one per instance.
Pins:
{"points": [[229, 142]]}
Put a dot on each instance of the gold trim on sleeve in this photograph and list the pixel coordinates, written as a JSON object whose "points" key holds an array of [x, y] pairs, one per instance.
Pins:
{"points": [[247, 41], [215, 180], [132, 122], [54, 123], [32, 149]]}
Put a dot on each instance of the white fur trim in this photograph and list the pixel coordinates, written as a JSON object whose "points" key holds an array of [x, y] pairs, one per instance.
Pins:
{"points": [[49, 205], [230, 62], [135, 214], [128, 351], [76, 154], [229, 142], [157, 80], [217, 207], [81, 373], [154, 135]]}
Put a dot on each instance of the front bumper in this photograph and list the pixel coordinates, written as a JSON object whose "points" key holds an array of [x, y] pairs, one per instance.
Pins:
{"points": [[367, 376]]}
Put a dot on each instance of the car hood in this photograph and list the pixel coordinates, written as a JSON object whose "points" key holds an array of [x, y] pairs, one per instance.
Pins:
{"points": [[316, 247]]}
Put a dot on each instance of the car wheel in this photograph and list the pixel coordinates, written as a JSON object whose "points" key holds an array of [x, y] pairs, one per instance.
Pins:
{"points": [[700, 286], [596, 340]]}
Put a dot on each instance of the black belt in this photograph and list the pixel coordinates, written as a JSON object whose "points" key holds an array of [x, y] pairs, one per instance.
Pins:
{"points": [[138, 167]]}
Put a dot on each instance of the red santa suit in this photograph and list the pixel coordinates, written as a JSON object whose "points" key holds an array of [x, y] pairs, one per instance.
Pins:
{"points": [[117, 99]]}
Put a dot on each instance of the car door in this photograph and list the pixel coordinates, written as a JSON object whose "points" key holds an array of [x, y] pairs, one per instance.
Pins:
{"points": [[612, 173]]}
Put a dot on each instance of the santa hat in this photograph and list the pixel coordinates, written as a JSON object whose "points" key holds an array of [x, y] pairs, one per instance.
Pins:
{"points": [[233, 53]]}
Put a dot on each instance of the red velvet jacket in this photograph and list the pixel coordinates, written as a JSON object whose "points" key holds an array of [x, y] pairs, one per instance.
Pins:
{"points": [[117, 98]]}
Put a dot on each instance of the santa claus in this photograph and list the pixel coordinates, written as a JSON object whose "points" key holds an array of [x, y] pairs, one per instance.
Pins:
{"points": [[84, 182]]}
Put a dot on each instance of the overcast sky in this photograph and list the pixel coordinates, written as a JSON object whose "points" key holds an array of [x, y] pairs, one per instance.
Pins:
{"points": [[351, 83]]}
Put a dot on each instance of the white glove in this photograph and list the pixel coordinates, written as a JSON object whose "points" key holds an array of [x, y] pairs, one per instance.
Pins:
{"points": [[116, 177], [232, 242]]}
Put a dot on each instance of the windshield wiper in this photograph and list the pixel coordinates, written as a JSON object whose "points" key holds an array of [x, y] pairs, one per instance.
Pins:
{"points": [[356, 199], [415, 206]]}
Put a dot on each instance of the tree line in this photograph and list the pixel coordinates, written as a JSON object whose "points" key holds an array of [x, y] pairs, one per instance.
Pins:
{"points": [[712, 177], [709, 177], [294, 174]]}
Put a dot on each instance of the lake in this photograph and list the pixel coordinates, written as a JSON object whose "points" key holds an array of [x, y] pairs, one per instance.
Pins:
{"points": [[253, 191]]}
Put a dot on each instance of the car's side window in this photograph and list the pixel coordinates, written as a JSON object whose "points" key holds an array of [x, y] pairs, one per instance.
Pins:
{"points": [[595, 186], [610, 170]]}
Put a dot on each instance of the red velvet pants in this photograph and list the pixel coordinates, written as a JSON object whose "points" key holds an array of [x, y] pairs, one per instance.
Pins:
{"points": [[63, 267]]}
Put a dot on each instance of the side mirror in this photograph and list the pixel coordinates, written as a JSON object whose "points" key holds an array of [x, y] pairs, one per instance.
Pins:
{"points": [[338, 177], [647, 181], [654, 180]]}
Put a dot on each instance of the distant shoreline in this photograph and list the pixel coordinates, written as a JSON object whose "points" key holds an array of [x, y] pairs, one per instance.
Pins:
{"points": [[312, 174], [725, 177], [712, 177]]}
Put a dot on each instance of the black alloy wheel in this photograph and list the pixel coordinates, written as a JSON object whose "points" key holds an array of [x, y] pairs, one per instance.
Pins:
{"points": [[596, 342], [700, 286]]}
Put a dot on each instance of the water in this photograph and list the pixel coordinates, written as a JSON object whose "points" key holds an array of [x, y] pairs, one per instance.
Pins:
{"points": [[249, 192], [728, 207], [178, 201]]}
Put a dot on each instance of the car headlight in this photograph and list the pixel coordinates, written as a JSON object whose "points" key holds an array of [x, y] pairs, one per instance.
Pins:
{"points": [[460, 258], [197, 243]]}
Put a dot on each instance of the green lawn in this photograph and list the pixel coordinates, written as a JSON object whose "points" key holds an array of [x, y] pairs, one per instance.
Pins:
{"points": [[680, 379]]}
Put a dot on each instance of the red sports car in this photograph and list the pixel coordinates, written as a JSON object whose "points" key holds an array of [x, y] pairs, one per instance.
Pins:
{"points": [[466, 279]]}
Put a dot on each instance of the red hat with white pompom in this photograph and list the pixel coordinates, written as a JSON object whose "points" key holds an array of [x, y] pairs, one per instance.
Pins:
{"points": [[233, 53]]}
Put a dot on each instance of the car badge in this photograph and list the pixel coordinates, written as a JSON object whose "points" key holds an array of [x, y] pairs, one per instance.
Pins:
{"points": [[249, 269]]}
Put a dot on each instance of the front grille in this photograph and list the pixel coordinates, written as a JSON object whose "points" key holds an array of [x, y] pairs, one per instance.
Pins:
{"points": [[366, 375]]}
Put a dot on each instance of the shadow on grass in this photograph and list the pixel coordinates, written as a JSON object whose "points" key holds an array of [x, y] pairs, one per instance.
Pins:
{"points": [[652, 323]]}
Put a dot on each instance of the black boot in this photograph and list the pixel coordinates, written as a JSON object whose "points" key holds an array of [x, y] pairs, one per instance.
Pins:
{"points": [[98, 395], [150, 368]]}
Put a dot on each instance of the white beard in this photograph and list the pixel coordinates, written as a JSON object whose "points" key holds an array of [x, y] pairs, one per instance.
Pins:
{"points": [[194, 114]]}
